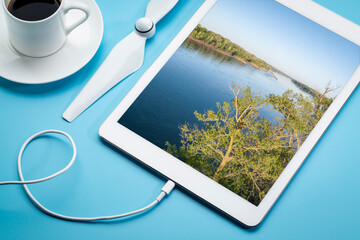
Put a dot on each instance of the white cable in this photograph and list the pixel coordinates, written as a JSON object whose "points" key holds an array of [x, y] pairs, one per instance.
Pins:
{"points": [[166, 190]]}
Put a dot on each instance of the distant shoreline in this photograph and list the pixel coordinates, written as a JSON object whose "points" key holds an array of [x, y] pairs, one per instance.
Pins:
{"points": [[299, 85], [190, 38]]}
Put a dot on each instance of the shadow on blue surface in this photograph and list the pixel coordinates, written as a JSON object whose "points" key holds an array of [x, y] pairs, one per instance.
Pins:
{"points": [[53, 86]]}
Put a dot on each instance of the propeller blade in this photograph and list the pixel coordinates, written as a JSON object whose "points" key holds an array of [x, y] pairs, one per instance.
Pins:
{"points": [[157, 9], [124, 59]]}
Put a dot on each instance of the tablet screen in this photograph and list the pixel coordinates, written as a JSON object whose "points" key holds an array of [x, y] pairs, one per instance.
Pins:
{"points": [[243, 92]]}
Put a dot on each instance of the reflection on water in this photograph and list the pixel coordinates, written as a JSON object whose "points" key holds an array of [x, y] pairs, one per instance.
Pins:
{"points": [[206, 51], [195, 79]]}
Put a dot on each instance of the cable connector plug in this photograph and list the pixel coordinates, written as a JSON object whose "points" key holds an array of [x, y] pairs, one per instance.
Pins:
{"points": [[166, 190], [168, 187]]}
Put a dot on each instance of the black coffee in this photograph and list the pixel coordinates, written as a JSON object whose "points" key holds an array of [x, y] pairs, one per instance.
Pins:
{"points": [[33, 10]]}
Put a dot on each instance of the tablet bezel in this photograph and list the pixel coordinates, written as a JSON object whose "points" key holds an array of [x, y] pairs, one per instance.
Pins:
{"points": [[194, 181]]}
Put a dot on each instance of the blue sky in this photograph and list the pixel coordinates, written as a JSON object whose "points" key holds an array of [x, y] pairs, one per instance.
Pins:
{"points": [[286, 40]]}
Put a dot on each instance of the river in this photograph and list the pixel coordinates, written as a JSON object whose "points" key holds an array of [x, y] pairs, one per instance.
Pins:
{"points": [[195, 79]]}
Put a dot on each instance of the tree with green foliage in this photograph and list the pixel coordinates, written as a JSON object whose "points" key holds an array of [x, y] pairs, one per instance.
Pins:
{"points": [[243, 151]]}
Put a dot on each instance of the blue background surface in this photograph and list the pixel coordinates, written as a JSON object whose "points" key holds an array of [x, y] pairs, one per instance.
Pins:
{"points": [[320, 203]]}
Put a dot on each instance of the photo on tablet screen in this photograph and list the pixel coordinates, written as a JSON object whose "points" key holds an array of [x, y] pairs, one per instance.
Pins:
{"points": [[243, 92]]}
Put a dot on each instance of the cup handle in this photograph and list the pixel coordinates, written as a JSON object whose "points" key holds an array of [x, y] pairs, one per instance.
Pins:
{"points": [[78, 6]]}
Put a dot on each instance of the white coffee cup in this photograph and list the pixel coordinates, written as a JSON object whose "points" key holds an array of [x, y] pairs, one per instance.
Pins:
{"points": [[44, 37]]}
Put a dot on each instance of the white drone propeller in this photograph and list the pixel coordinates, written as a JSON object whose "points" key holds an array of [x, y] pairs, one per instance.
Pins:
{"points": [[124, 59]]}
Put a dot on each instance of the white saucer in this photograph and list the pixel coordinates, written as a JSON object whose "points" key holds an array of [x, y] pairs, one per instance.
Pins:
{"points": [[80, 47]]}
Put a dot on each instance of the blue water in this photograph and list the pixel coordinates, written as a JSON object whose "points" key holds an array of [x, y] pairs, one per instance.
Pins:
{"points": [[195, 79]]}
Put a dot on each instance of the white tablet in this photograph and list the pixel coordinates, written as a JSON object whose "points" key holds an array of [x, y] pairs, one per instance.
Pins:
{"points": [[236, 102]]}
